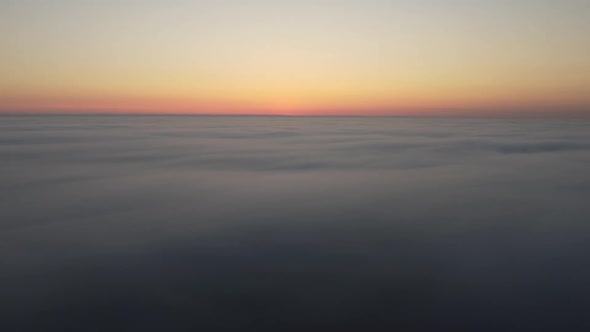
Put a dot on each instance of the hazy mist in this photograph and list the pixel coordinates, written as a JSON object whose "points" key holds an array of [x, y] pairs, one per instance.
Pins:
{"points": [[194, 223]]}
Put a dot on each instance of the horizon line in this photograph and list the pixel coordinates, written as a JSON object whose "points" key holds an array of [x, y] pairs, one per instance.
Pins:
{"points": [[476, 116]]}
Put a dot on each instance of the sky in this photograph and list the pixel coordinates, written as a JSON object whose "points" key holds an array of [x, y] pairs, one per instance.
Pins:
{"points": [[306, 57]]}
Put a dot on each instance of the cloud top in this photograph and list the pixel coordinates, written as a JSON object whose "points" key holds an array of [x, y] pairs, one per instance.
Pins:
{"points": [[304, 224]]}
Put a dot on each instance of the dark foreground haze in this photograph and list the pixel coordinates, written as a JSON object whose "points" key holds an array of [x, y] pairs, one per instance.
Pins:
{"points": [[193, 223]]}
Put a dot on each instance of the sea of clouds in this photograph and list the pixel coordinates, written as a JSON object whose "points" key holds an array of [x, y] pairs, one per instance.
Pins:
{"points": [[195, 223]]}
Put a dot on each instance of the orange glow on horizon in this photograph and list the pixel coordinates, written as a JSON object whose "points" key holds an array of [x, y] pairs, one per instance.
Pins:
{"points": [[358, 58]]}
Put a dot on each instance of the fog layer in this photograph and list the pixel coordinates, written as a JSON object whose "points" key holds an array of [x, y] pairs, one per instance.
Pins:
{"points": [[194, 223]]}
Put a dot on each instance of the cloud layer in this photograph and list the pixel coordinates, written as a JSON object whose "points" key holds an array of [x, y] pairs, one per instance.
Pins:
{"points": [[160, 223]]}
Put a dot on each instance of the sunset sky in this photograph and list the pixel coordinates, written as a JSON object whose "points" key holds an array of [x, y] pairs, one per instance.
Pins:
{"points": [[305, 57]]}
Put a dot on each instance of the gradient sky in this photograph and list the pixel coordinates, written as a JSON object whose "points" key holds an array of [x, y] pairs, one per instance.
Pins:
{"points": [[365, 57]]}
